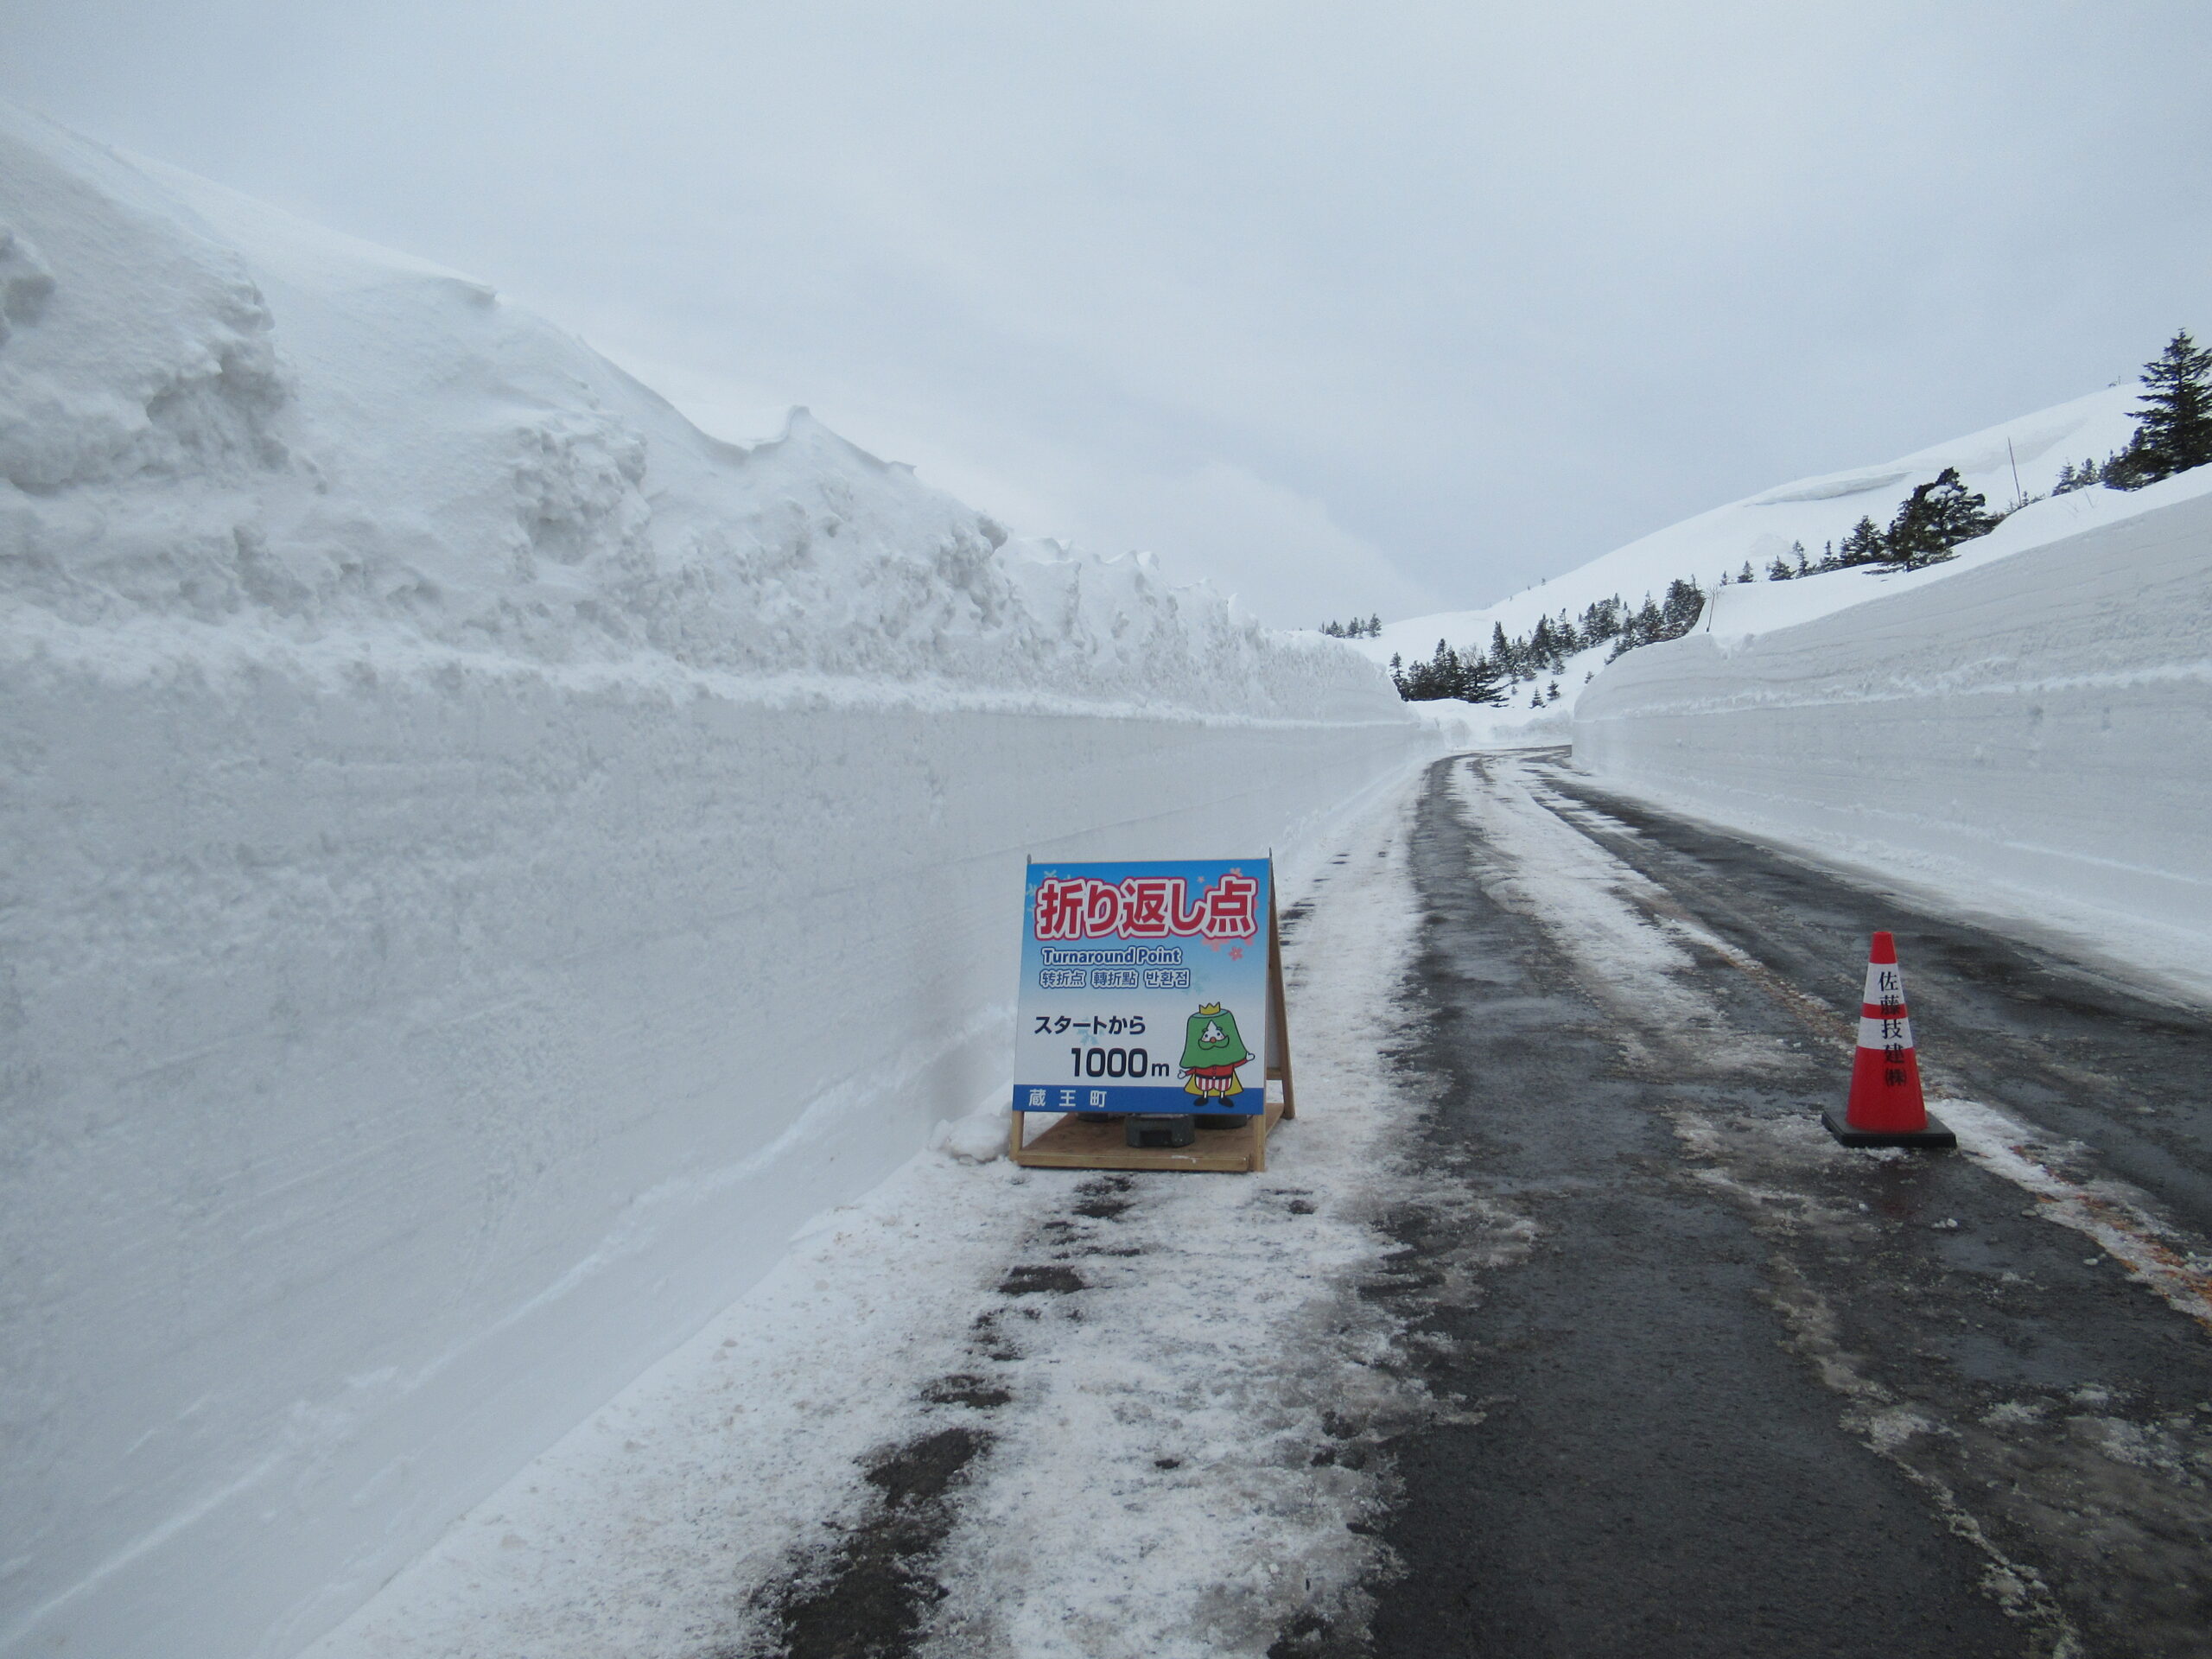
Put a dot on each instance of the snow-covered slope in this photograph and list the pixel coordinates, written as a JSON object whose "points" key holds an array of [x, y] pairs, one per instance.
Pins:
{"points": [[2028, 728], [483, 862], [2023, 726], [1812, 511]]}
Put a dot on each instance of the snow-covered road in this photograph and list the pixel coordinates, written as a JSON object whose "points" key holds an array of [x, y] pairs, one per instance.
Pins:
{"points": [[997, 1411], [1556, 1325]]}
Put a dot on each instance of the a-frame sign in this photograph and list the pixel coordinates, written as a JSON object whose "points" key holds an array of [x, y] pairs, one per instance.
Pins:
{"points": [[1151, 989]]}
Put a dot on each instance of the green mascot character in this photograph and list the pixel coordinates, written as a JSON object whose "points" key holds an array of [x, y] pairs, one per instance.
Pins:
{"points": [[1212, 1050]]}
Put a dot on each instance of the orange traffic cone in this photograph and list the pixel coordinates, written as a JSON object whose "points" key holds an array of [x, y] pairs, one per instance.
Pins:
{"points": [[1885, 1108]]}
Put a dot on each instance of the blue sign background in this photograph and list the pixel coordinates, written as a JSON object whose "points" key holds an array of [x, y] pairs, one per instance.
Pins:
{"points": [[1104, 1014]]}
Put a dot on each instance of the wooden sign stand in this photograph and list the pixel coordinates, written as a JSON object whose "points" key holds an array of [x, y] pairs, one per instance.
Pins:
{"points": [[1073, 1144]]}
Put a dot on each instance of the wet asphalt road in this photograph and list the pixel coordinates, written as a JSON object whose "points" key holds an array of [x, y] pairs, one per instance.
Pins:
{"points": [[1745, 1393]]}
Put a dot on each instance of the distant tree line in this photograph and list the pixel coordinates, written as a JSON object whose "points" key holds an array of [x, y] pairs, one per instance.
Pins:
{"points": [[2173, 434], [1355, 629], [1936, 518], [1477, 675]]}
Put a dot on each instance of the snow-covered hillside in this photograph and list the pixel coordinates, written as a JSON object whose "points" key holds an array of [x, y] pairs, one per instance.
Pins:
{"points": [[2022, 726], [1811, 511], [483, 863]]}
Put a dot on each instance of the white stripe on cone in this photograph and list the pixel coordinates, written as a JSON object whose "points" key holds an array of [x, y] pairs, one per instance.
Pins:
{"points": [[1884, 1034]]}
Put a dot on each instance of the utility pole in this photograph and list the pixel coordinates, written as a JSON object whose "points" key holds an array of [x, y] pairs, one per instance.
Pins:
{"points": [[2019, 495]]}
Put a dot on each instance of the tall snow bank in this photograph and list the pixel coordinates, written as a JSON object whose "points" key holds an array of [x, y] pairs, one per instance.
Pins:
{"points": [[483, 863], [210, 411], [2029, 728]]}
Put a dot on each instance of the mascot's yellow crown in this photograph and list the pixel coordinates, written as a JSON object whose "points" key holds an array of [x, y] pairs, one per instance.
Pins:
{"points": [[1209, 1007]]}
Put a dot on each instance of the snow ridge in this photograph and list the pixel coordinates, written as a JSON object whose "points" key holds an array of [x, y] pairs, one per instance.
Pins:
{"points": [[215, 415]]}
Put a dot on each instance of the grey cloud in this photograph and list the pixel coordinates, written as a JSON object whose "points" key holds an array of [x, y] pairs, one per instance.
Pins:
{"points": [[1351, 308]]}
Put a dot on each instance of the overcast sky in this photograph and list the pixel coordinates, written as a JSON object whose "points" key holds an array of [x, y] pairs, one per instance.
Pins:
{"points": [[1352, 307]]}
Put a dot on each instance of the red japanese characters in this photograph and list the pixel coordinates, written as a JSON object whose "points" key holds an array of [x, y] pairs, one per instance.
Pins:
{"points": [[1146, 907]]}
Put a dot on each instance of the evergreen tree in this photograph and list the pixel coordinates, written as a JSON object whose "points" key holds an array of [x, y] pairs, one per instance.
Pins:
{"points": [[2124, 469], [1426, 681], [1447, 674], [1745, 574], [2173, 429], [1542, 648], [1374, 625], [1685, 604], [1601, 620], [1864, 545], [2071, 478], [1936, 518], [1501, 651], [1797, 552], [1779, 571], [1478, 681], [1442, 672], [1551, 692], [1640, 627]]}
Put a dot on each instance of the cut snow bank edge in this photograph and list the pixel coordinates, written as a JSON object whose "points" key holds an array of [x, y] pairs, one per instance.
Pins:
{"points": [[483, 861], [2031, 733], [400, 1066]]}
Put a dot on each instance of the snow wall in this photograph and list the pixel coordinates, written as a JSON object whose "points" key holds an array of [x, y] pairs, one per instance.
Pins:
{"points": [[2031, 728], [484, 863]]}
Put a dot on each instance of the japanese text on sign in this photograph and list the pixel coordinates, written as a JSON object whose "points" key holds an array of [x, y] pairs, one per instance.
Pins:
{"points": [[1146, 907], [1145, 988]]}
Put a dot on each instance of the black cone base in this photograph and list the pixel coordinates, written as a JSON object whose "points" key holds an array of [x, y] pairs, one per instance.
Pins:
{"points": [[1933, 1135]]}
